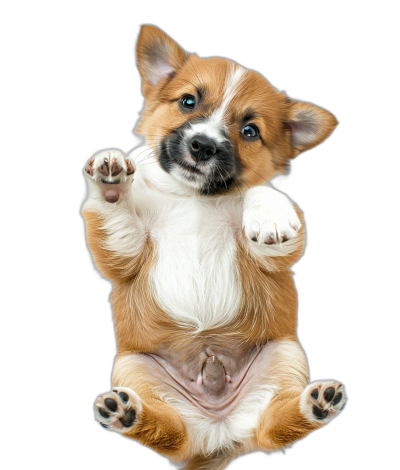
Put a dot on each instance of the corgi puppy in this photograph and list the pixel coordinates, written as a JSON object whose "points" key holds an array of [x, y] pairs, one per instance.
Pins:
{"points": [[198, 247]]}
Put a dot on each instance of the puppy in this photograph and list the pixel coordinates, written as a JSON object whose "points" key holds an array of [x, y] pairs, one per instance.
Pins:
{"points": [[198, 246]]}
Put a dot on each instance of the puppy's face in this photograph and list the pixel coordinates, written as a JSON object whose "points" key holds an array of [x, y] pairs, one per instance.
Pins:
{"points": [[216, 126]]}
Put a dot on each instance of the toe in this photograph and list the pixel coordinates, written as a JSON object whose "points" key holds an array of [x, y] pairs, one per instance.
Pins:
{"points": [[130, 168], [115, 169], [329, 394], [337, 398], [103, 169], [89, 167], [104, 413], [111, 404], [318, 413], [270, 240], [128, 419], [124, 397]]}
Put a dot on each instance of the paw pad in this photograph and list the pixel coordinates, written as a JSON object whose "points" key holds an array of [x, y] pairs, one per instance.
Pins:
{"points": [[118, 409], [112, 171], [323, 400]]}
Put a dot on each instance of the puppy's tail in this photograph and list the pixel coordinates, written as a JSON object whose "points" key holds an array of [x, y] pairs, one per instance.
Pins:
{"points": [[213, 462]]}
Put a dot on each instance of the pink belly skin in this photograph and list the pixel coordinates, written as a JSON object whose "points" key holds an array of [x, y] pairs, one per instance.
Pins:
{"points": [[214, 378]]}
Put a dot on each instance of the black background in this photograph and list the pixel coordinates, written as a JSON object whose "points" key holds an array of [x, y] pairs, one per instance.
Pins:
{"points": [[94, 90]]}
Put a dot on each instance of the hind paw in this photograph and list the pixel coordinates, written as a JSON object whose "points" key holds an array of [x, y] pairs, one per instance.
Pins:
{"points": [[118, 410], [321, 401]]}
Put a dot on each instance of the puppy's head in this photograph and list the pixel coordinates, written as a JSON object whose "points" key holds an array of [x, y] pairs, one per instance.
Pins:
{"points": [[215, 125]]}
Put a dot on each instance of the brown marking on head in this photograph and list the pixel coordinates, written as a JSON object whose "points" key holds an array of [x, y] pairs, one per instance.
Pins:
{"points": [[286, 127]]}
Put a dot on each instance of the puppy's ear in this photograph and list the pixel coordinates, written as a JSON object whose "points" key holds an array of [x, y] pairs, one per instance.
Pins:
{"points": [[158, 56], [309, 125]]}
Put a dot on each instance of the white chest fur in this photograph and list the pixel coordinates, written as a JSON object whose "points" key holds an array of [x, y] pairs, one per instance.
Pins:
{"points": [[195, 277]]}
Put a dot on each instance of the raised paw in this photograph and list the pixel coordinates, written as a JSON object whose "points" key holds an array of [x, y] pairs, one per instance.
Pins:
{"points": [[118, 410], [269, 217], [111, 167], [322, 401]]}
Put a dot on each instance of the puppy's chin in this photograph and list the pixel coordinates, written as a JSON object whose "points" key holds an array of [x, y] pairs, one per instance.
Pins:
{"points": [[189, 177]]}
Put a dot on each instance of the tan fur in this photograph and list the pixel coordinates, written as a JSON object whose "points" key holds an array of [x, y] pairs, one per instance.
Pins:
{"points": [[269, 302], [213, 462], [112, 266], [159, 426], [283, 423]]}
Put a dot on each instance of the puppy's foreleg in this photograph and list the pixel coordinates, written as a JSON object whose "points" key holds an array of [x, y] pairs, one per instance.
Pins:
{"points": [[115, 234], [273, 231]]}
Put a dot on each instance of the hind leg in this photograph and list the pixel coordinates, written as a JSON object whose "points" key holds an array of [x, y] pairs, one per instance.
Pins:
{"points": [[135, 409], [298, 408], [290, 416]]}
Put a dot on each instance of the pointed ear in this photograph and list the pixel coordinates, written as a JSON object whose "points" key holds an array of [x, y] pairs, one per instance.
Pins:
{"points": [[309, 125], [158, 56]]}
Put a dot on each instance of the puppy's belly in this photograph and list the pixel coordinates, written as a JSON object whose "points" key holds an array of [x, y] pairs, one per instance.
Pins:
{"points": [[212, 379]]}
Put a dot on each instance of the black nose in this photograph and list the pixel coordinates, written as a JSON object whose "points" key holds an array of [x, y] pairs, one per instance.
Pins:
{"points": [[202, 147]]}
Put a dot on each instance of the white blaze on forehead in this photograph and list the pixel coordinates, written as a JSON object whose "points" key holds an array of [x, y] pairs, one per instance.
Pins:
{"points": [[232, 83], [214, 125]]}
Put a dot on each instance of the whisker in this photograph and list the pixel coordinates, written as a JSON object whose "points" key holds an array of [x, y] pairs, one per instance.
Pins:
{"points": [[142, 152]]}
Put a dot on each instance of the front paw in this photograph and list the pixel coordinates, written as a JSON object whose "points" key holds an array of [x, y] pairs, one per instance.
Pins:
{"points": [[118, 410], [112, 171], [269, 217]]}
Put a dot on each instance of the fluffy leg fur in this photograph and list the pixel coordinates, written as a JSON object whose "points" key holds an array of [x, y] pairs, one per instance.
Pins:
{"points": [[158, 425], [299, 407], [283, 423], [115, 235]]}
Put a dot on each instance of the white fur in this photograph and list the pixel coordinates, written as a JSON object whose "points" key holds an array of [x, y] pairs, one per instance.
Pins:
{"points": [[236, 77], [214, 126], [269, 215], [209, 434]]}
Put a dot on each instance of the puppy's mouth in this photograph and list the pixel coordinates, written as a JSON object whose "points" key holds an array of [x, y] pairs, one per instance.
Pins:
{"points": [[177, 161], [192, 168]]}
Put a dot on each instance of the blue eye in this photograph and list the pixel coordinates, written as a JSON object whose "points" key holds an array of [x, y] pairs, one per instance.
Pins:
{"points": [[188, 102], [250, 131]]}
